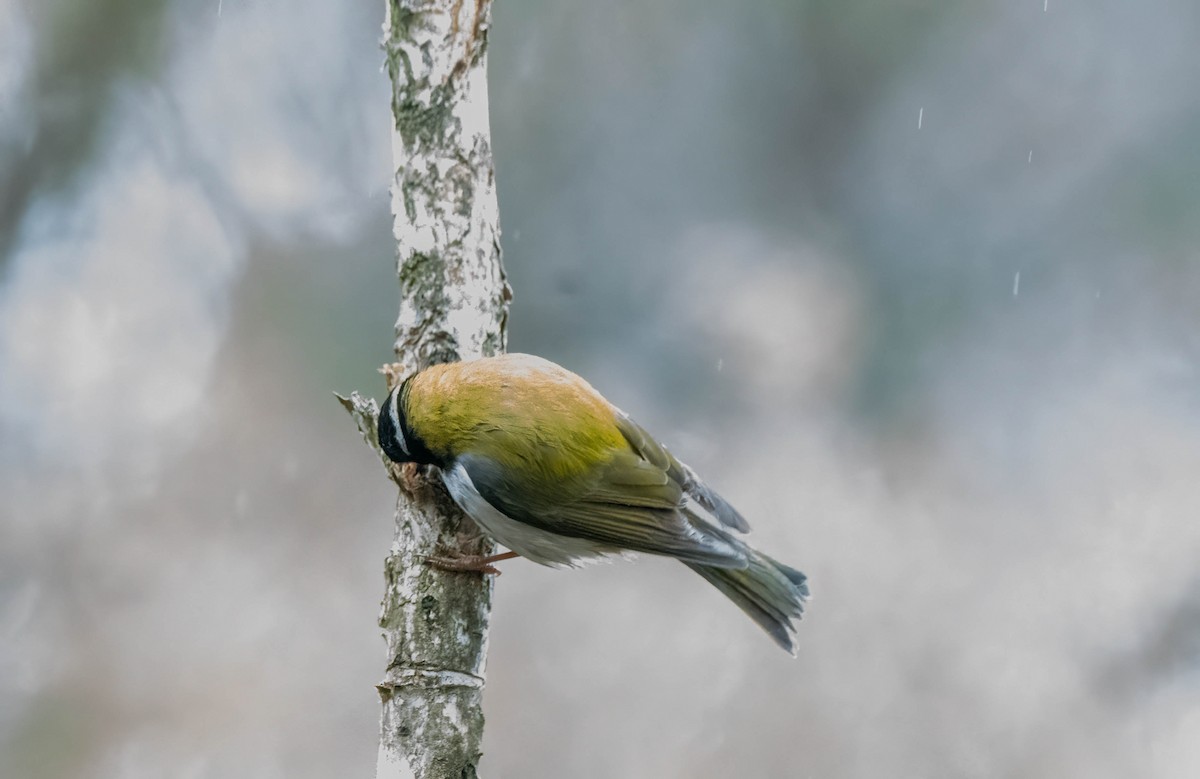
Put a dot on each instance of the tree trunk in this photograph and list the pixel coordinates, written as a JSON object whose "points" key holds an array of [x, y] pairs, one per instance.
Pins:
{"points": [[454, 304]]}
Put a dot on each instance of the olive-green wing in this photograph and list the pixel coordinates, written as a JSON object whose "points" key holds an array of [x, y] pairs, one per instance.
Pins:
{"points": [[657, 455], [630, 504]]}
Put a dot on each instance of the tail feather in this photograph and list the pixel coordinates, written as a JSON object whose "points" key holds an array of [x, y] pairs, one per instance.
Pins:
{"points": [[771, 593]]}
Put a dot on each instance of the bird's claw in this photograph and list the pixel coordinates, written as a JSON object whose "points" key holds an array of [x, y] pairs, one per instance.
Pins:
{"points": [[463, 563]]}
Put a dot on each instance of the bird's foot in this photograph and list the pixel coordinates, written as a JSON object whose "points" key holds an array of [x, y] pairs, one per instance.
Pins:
{"points": [[469, 563]]}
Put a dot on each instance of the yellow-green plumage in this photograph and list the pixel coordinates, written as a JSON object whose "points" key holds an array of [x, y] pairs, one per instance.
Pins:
{"points": [[524, 412], [556, 473]]}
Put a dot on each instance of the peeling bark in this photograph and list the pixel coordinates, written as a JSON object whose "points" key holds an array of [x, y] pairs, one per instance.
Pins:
{"points": [[453, 305]]}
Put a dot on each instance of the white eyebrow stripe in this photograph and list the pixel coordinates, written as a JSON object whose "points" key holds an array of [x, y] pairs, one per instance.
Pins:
{"points": [[394, 412]]}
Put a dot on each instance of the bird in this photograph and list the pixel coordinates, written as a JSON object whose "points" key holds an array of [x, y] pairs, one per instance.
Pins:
{"points": [[554, 472]]}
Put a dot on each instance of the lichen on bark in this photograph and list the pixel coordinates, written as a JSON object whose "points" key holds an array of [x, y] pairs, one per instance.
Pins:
{"points": [[453, 305]]}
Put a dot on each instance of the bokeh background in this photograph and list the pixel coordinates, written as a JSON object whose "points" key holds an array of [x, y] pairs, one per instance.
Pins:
{"points": [[914, 284]]}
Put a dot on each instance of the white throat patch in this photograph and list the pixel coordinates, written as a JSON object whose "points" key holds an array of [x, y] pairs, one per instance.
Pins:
{"points": [[394, 413]]}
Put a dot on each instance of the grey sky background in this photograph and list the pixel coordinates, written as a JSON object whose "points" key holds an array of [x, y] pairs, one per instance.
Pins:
{"points": [[913, 284]]}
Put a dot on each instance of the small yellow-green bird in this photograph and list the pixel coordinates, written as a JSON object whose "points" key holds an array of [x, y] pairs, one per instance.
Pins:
{"points": [[554, 472]]}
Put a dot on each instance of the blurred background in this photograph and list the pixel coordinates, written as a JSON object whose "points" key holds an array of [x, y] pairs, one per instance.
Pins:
{"points": [[914, 284]]}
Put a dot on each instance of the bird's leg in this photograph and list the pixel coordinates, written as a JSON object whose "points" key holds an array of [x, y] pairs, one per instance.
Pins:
{"points": [[469, 563]]}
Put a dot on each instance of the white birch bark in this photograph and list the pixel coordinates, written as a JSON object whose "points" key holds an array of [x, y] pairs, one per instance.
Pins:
{"points": [[453, 305]]}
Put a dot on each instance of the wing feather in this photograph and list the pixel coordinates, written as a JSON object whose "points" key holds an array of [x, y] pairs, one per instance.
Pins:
{"points": [[642, 513], [689, 483]]}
